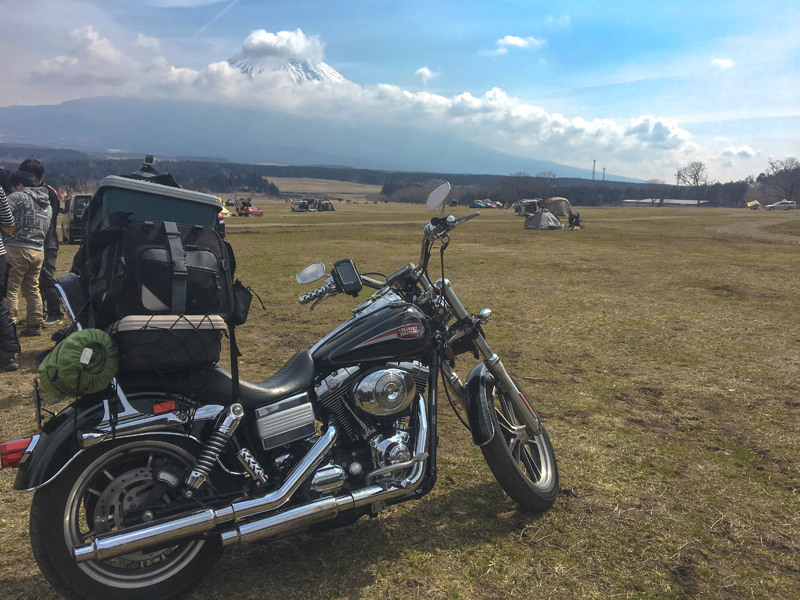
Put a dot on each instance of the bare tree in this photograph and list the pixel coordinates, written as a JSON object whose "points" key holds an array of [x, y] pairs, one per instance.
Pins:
{"points": [[518, 185], [694, 175], [544, 183], [782, 179], [656, 189]]}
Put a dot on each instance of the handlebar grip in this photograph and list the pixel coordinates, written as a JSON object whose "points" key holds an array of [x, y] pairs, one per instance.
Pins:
{"points": [[311, 295]]}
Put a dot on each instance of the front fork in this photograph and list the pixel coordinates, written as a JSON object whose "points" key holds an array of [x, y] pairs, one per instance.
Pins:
{"points": [[523, 407]]}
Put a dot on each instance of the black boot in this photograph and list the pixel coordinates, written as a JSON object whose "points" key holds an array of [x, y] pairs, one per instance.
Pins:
{"points": [[8, 361]]}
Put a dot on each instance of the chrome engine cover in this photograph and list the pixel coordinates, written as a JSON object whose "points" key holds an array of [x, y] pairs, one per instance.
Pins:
{"points": [[385, 392]]}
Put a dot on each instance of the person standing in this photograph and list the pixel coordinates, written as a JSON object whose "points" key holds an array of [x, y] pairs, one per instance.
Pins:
{"points": [[30, 206], [9, 340], [47, 278]]}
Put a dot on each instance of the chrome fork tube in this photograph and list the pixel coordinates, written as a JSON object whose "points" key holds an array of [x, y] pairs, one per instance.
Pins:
{"points": [[524, 408]]}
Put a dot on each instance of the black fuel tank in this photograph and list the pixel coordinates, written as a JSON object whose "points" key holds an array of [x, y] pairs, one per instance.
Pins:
{"points": [[395, 331]]}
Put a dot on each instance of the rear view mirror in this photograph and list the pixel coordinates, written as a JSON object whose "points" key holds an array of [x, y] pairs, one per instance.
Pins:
{"points": [[311, 273], [438, 195]]}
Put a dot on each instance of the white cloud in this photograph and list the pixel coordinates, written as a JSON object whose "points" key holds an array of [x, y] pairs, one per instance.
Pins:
{"points": [[144, 41], [518, 42], [739, 152], [722, 63], [282, 45], [87, 44], [424, 74], [494, 119], [512, 41], [91, 60]]}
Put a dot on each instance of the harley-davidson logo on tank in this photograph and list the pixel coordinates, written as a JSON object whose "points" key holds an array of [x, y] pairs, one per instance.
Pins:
{"points": [[409, 331]]}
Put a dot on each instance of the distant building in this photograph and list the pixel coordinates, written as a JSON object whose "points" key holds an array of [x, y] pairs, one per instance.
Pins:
{"points": [[664, 202]]}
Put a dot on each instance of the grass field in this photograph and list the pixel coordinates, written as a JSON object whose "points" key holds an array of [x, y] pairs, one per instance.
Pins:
{"points": [[663, 349]]}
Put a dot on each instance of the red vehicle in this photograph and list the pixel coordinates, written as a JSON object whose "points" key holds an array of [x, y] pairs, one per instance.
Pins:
{"points": [[248, 210]]}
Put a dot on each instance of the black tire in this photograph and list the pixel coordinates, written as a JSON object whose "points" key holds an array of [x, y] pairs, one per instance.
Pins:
{"points": [[98, 484], [527, 471]]}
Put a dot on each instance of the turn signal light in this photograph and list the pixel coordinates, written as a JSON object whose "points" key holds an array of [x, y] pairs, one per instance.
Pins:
{"points": [[12, 452]]}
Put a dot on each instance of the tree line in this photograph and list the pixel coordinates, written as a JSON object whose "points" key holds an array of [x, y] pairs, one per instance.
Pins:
{"points": [[77, 170]]}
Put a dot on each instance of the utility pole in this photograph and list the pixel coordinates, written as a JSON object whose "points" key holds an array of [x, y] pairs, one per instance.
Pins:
{"points": [[594, 162], [604, 173]]}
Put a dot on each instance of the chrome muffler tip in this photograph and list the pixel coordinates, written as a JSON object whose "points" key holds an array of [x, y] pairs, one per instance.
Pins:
{"points": [[84, 553], [230, 538]]}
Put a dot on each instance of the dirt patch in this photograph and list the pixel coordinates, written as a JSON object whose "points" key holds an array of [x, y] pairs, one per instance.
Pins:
{"points": [[756, 230]]}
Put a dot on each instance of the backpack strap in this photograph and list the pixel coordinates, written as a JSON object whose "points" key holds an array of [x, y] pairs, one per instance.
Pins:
{"points": [[179, 272]]}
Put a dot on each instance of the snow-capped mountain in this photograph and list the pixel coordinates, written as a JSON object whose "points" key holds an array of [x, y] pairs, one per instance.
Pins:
{"points": [[301, 71]]}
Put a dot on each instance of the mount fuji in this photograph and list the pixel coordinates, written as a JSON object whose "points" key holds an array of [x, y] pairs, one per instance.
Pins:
{"points": [[301, 71]]}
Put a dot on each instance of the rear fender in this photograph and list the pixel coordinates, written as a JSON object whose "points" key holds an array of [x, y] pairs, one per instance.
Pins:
{"points": [[479, 401], [55, 447], [74, 430]]}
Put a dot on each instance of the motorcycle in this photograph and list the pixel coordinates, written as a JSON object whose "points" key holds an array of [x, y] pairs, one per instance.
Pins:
{"points": [[138, 491]]}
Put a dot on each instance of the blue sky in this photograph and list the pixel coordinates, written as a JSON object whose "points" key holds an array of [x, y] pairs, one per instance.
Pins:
{"points": [[643, 87]]}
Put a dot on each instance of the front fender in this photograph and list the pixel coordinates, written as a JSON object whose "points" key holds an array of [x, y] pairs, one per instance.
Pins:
{"points": [[56, 447], [479, 402]]}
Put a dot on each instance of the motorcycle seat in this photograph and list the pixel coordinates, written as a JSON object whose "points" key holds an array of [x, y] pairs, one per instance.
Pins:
{"points": [[294, 377]]}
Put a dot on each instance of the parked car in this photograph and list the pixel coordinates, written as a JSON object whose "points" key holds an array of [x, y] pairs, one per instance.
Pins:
{"points": [[476, 204], [248, 210], [782, 205], [72, 228], [220, 224]]}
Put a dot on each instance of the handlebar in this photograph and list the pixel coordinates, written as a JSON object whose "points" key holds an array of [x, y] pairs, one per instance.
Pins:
{"points": [[438, 228], [328, 287]]}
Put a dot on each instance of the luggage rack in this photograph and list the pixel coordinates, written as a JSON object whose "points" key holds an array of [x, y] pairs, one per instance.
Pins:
{"points": [[183, 382]]}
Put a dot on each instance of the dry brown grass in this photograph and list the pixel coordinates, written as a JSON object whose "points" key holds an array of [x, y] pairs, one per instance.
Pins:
{"points": [[304, 186], [664, 353]]}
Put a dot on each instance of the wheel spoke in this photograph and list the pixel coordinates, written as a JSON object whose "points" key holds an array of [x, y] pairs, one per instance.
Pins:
{"points": [[508, 410], [530, 464], [516, 453], [512, 446]]}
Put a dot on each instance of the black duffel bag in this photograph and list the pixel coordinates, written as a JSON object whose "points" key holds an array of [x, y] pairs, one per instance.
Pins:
{"points": [[164, 268]]}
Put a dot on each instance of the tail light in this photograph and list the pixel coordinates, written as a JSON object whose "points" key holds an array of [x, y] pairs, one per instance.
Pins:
{"points": [[12, 452], [72, 211]]}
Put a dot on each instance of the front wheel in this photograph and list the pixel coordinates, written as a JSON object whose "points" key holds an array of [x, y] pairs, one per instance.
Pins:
{"points": [[523, 464], [92, 496]]}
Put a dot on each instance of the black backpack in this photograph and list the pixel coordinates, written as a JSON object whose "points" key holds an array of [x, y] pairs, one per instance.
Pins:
{"points": [[161, 268]]}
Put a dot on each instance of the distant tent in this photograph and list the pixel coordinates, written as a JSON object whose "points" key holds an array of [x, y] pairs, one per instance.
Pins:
{"points": [[543, 219], [323, 205], [755, 205], [526, 206], [559, 206]]}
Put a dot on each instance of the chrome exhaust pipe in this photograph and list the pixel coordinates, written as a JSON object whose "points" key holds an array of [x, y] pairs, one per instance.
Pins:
{"points": [[297, 519], [153, 535]]}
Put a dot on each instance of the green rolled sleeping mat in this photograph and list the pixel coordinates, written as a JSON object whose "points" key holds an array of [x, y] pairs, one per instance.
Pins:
{"points": [[61, 374]]}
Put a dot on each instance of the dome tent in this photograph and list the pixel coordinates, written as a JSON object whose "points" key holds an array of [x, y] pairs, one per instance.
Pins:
{"points": [[559, 206], [543, 219]]}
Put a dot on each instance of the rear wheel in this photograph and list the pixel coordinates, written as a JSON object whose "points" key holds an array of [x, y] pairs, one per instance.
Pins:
{"points": [[91, 497], [524, 464]]}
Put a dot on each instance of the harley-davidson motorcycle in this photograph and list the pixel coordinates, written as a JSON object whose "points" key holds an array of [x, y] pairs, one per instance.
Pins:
{"points": [[137, 494]]}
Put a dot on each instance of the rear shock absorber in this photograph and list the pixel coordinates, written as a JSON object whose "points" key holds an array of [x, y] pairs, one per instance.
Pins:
{"points": [[223, 431]]}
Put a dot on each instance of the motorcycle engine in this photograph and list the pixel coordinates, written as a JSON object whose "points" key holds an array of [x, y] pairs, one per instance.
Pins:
{"points": [[389, 391]]}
